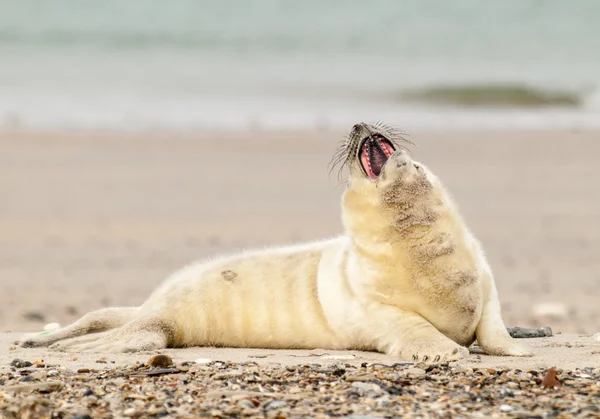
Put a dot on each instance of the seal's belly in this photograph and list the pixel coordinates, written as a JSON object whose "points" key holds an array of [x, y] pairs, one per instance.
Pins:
{"points": [[266, 300]]}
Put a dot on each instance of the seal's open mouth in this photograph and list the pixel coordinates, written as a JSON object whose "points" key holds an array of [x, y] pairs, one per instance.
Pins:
{"points": [[374, 152]]}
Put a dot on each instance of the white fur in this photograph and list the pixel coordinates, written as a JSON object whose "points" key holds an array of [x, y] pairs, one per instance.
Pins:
{"points": [[418, 292]]}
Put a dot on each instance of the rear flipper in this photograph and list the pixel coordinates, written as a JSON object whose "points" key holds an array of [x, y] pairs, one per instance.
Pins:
{"points": [[142, 334], [93, 322]]}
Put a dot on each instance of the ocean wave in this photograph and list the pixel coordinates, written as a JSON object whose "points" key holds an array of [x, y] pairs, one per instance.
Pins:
{"points": [[494, 95]]}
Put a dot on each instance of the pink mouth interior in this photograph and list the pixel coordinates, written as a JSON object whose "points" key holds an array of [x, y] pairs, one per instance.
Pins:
{"points": [[374, 154]]}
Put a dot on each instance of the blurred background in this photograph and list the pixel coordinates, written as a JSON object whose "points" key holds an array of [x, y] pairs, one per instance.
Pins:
{"points": [[137, 136], [234, 64]]}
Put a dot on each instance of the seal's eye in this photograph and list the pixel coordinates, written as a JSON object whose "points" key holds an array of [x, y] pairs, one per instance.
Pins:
{"points": [[374, 152]]}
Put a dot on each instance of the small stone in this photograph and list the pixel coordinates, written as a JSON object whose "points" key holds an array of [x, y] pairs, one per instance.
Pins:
{"points": [[415, 372], [459, 369], [202, 361], [51, 326], [154, 411], [19, 363], [129, 412], [161, 361], [117, 382], [39, 363], [295, 390], [506, 408], [245, 404], [360, 377], [41, 387], [101, 360], [550, 380], [38, 375], [597, 337], [367, 386], [276, 404], [524, 332], [83, 370]]}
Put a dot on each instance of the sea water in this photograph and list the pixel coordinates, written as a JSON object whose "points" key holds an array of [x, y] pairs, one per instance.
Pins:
{"points": [[239, 64]]}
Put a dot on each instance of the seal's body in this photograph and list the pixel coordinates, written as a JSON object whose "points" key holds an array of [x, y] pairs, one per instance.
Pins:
{"points": [[407, 278]]}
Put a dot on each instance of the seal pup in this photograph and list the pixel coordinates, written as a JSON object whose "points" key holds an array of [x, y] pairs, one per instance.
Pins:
{"points": [[407, 279]]}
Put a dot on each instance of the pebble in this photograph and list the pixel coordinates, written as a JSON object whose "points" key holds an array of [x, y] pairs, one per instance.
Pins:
{"points": [[51, 326], [129, 412], [19, 363], [27, 388], [309, 390], [597, 337], [277, 404], [161, 361], [245, 404], [415, 372], [203, 361], [550, 379], [367, 386], [360, 377], [525, 333]]}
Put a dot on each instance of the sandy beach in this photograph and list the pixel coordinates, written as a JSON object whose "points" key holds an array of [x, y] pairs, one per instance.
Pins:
{"points": [[91, 219]]}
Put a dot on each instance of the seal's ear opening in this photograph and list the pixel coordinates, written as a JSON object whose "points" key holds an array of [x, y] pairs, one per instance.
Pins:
{"points": [[374, 152]]}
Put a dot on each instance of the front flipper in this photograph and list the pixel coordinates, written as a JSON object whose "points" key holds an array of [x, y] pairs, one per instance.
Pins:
{"points": [[491, 332], [414, 339]]}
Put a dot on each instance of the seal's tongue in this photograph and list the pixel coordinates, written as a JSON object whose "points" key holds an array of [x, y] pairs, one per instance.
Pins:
{"points": [[375, 152]]}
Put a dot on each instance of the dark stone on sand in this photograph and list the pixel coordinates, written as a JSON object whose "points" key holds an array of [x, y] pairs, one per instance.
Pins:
{"points": [[525, 333], [19, 363]]}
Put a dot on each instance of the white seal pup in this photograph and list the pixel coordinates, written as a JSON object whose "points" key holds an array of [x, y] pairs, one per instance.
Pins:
{"points": [[407, 278]]}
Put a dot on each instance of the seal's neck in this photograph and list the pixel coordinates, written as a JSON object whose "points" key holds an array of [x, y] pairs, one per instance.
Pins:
{"points": [[367, 223], [391, 230]]}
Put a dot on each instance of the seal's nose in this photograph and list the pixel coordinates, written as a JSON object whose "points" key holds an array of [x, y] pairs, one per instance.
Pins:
{"points": [[357, 127]]}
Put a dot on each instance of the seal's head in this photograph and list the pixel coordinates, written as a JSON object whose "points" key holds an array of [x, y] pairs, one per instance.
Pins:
{"points": [[384, 182], [378, 159]]}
